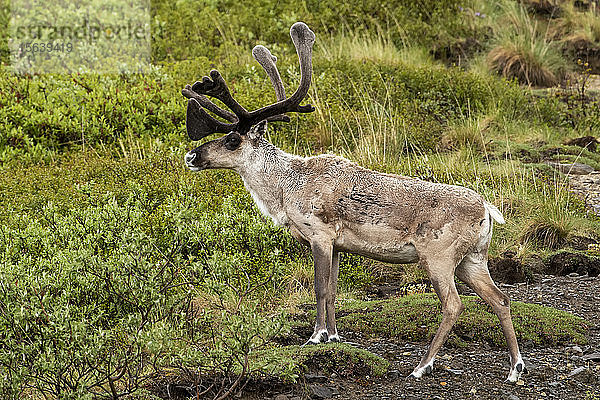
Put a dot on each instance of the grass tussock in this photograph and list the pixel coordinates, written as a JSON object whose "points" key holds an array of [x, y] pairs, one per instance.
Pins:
{"points": [[546, 234], [524, 51], [577, 27]]}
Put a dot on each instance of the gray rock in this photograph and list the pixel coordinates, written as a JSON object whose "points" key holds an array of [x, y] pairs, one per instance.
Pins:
{"points": [[313, 378], [281, 397], [575, 350], [320, 392], [393, 375], [529, 365], [456, 371], [513, 397], [592, 356], [583, 374], [577, 371], [572, 169]]}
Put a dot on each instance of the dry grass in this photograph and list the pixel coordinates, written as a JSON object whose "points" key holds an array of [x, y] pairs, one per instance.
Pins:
{"points": [[467, 132], [513, 61], [372, 47]]}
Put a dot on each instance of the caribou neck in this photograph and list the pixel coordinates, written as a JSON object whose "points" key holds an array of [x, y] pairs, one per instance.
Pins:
{"points": [[266, 177]]}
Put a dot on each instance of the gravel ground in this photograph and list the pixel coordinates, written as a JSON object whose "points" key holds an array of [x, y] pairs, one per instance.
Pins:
{"points": [[478, 372]]}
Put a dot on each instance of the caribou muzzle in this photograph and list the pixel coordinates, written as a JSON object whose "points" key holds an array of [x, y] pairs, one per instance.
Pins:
{"points": [[195, 162]]}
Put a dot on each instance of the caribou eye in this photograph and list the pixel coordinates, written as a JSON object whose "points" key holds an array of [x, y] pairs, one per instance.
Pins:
{"points": [[232, 141]]}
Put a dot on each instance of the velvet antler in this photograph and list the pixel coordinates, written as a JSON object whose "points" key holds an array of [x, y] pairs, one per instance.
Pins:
{"points": [[200, 123]]}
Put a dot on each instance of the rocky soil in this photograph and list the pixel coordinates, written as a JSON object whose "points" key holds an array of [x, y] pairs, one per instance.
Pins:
{"points": [[478, 371], [587, 187]]}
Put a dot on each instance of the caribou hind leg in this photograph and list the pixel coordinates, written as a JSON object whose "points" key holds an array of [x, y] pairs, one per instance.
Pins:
{"points": [[442, 278], [474, 272]]}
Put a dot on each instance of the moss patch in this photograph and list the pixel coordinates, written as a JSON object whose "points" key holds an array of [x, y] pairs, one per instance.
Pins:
{"points": [[343, 359], [417, 317]]}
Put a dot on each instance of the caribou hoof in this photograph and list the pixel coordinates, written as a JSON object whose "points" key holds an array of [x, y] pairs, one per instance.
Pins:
{"points": [[335, 338], [516, 371], [317, 338], [420, 372]]}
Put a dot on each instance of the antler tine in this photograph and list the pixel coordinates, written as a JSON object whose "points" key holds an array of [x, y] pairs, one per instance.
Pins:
{"points": [[218, 89], [200, 124], [303, 39], [209, 105], [267, 61]]}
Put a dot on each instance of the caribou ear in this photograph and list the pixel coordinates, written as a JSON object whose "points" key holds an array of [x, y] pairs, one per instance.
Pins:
{"points": [[258, 130]]}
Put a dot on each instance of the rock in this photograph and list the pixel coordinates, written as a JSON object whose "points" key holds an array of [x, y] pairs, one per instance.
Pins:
{"points": [[281, 397], [513, 397], [591, 357], [393, 375], [582, 374], [320, 392], [572, 169], [575, 350], [456, 371], [313, 378], [529, 365]]}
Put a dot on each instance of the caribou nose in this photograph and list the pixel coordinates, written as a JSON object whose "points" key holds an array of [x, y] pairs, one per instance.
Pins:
{"points": [[189, 159]]}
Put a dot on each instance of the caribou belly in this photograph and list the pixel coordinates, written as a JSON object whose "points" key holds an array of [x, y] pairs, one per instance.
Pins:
{"points": [[382, 244]]}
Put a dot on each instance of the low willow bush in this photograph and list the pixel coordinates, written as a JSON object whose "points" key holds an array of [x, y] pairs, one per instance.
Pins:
{"points": [[94, 299], [228, 23]]}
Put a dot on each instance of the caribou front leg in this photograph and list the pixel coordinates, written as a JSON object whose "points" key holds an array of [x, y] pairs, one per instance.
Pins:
{"points": [[330, 301], [323, 256]]}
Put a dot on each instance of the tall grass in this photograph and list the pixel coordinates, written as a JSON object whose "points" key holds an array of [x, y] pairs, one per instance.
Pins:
{"points": [[375, 47]]}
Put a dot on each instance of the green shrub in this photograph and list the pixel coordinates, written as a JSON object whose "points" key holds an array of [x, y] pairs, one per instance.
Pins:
{"points": [[228, 25], [122, 274]]}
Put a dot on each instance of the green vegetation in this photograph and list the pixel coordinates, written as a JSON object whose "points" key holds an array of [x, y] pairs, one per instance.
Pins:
{"points": [[108, 242]]}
